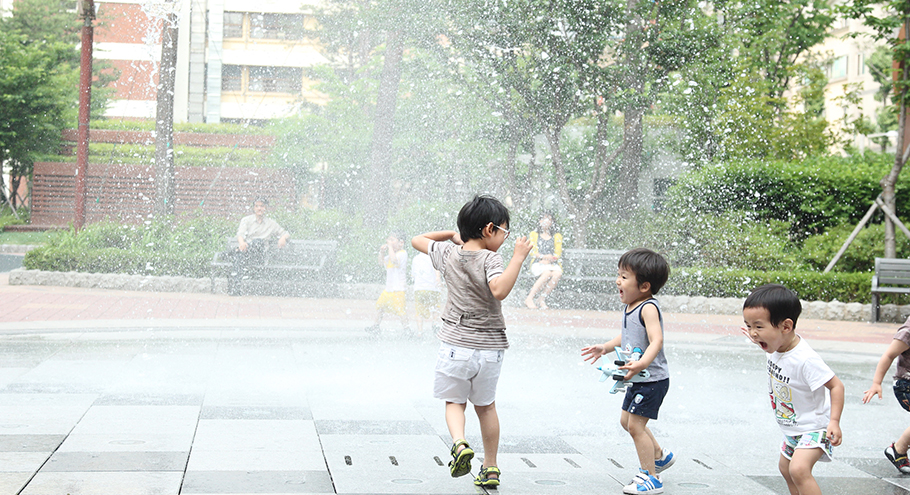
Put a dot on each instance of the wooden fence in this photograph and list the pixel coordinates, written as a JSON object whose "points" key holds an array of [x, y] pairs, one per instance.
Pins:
{"points": [[126, 193]]}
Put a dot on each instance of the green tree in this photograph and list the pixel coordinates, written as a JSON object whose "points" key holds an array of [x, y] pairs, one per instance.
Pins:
{"points": [[890, 21], [38, 88], [54, 20]]}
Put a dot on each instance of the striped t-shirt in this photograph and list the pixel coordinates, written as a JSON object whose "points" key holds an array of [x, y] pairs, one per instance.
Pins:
{"points": [[456, 333]]}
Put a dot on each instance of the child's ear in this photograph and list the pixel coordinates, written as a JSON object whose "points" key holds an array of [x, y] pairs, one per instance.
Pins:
{"points": [[786, 325], [487, 230], [645, 287]]}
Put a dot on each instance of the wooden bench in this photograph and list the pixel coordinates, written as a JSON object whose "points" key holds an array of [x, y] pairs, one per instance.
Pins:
{"points": [[311, 261], [892, 276]]}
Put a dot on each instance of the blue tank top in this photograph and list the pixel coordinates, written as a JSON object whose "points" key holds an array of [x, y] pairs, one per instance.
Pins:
{"points": [[635, 338]]}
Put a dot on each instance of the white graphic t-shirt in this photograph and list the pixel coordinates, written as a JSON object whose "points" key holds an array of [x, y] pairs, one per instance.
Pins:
{"points": [[796, 382]]}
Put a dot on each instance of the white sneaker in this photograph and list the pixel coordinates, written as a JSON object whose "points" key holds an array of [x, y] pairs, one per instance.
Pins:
{"points": [[643, 483], [664, 462]]}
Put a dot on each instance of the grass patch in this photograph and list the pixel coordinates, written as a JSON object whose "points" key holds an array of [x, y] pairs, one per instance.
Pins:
{"points": [[22, 238]]}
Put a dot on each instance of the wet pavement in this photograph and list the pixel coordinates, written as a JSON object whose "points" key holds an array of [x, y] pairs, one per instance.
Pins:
{"points": [[107, 392]]}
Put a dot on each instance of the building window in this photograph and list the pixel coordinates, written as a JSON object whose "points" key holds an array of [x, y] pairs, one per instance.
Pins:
{"points": [[233, 24], [276, 26], [861, 64], [837, 69], [231, 78], [276, 79]]}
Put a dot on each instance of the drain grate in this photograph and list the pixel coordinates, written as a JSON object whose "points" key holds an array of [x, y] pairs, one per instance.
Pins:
{"points": [[703, 464], [347, 460], [393, 460], [438, 460], [616, 464], [572, 463], [528, 462]]}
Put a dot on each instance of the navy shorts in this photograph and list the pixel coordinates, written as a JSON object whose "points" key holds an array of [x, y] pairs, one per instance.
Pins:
{"points": [[644, 399], [902, 393]]}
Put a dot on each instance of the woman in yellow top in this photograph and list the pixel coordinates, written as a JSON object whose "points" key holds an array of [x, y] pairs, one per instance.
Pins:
{"points": [[546, 250]]}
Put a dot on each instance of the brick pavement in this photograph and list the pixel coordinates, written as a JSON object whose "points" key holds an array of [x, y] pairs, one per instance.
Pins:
{"points": [[37, 304]]}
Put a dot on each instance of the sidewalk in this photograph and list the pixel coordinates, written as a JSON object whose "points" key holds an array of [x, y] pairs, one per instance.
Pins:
{"points": [[121, 393], [35, 307]]}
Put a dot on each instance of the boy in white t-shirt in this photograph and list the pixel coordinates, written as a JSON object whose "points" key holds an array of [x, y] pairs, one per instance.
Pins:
{"points": [[394, 298], [426, 290], [797, 382]]}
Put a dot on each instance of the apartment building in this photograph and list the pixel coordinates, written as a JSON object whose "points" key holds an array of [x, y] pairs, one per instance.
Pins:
{"points": [[237, 61], [846, 69]]}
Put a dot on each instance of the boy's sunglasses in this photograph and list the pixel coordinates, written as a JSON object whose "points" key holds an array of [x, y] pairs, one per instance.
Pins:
{"points": [[504, 230]]}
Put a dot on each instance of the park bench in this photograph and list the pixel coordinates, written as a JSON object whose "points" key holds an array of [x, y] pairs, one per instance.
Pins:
{"points": [[301, 265], [590, 265], [892, 276]]}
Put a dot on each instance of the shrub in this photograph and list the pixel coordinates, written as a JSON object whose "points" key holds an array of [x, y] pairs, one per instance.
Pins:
{"points": [[153, 248], [869, 244], [809, 285], [812, 195], [730, 240]]}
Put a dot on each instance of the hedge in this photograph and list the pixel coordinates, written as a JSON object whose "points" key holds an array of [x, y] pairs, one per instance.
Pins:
{"points": [[812, 195], [809, 285]]}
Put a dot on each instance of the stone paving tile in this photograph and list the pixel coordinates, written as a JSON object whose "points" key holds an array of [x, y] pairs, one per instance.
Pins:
{"points": [[255, 482], [126, 399], [255, 412], [30, 443], [115, 441], [336, 427], [104, 483], [116, 461], [14, 481]]}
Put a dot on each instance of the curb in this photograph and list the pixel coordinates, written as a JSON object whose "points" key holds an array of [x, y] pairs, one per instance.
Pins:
{"points": [[816, 310]]}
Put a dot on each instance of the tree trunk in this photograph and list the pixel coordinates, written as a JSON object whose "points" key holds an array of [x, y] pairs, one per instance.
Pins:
{"points": [[889, 181], [164, 127], [377, 201], [626, 197]]}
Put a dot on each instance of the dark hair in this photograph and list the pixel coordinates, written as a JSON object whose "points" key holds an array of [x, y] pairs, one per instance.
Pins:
{"points": [[554, 227], [262, 200], [648, 267], [780, 302], [477, 213]]}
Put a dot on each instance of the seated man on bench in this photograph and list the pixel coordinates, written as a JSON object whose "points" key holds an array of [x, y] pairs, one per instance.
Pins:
{"points": [[252, 235]]}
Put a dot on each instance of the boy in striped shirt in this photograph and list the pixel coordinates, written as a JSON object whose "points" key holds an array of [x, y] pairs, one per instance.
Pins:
{"points": [[473, 330]]}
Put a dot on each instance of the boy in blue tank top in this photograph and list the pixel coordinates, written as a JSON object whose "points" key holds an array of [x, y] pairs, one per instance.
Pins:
{"points": [[642, 273]]}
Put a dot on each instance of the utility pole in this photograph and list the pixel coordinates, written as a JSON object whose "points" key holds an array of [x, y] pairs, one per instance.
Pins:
{"points": [[164, 127], [87, 14]]}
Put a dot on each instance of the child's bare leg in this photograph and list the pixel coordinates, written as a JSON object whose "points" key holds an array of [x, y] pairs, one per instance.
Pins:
{"points": [[903, 442], [489, 430], [554, 279], [455, 420], [798, 472], [529, 301], [646, 445]]}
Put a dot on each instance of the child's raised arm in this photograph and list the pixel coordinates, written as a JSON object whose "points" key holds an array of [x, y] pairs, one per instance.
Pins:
{"points": [[896, 348], [422, 242], [502, 285], [836, 389]]}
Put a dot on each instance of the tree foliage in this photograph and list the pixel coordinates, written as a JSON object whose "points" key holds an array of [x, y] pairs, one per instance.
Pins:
{"points": [[37, 97]]}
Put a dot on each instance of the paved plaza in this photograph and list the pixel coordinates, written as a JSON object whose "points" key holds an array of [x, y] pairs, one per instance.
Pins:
{"points": [[120, 393]]}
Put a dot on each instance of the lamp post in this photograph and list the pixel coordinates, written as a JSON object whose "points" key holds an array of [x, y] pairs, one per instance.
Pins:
{"points": [[87, 14]]}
